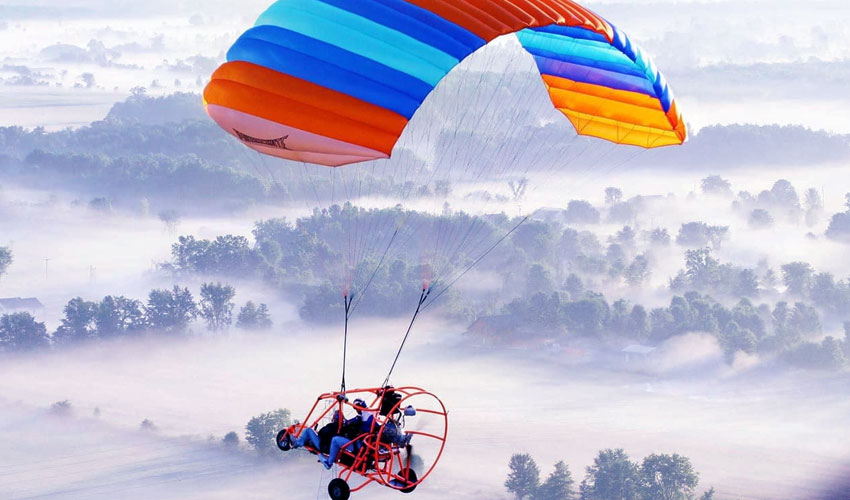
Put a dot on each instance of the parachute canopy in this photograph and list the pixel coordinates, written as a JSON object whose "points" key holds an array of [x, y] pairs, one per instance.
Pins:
{"points": [[334, 82]]}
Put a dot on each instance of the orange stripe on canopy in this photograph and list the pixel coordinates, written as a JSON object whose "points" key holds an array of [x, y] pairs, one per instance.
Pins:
{"points": [[299, 114], [290, 87]]}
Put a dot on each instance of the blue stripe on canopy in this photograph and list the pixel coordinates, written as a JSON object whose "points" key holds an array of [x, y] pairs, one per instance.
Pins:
{"points": [[591, 63], [362, 36], [320, 72], [572, 32], [435, 31], [594, 76]]}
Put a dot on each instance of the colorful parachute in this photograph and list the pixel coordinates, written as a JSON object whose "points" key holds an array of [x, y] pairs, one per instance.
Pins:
{"points": [[334, 82]]}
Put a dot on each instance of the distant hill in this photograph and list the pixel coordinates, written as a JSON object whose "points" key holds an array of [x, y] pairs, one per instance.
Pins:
{"points": [[726, 147], [145, 110]]}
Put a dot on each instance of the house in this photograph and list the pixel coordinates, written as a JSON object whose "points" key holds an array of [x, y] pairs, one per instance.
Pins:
{"points": [[637, 352], [490, 330], [17, 304]]}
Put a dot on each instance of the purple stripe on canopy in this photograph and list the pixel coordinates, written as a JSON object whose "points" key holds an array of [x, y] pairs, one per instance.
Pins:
{"points": [[595, 76]]}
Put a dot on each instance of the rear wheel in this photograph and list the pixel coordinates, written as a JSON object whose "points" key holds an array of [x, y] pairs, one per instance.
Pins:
{"points": [[338, 489], [409, 476]]}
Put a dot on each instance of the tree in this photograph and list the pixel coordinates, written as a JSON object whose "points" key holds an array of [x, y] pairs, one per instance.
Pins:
{"points": [[814, 206], [170, 218], [252, 317], [797, 277], [760, 219], [701, 268], [660, 237], [613, 195], [78, 323], [638, 271], [574, 286], [535, 239], [747, 284], [231, 439], [118, 315], [260, 432], [524, 476], [5, 260], [581, 212], [21, 332], [847, 339], [700, 234], [611, 477], [638, 322], [805, 319], [668, 477], [839, 227], [716, 185], [61, 409], [170, 311], [518, 188], [558, 486], [217, 305], [833, 354], [539, 280], [734, 339]]}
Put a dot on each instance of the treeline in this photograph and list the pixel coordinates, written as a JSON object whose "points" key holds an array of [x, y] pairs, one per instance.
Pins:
{"points": [[166, 311], [551, 274], [613, 476], [6, 259], [788, 330]]}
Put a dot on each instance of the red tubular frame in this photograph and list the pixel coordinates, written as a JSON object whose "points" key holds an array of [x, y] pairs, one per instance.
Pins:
{"points": [[382, 457]]}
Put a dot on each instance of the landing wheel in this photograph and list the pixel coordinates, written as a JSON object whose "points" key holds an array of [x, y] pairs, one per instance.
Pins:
{"points": [[283, 441], [338, 489], [410, 478]]}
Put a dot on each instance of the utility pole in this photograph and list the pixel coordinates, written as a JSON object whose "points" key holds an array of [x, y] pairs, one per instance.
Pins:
{"points": [[46, 260]]}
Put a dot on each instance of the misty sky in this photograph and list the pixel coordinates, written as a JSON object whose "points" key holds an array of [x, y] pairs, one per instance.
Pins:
{"points": [[65, 62]]}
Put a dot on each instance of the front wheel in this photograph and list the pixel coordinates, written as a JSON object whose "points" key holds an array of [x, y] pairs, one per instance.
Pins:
{"points": [[338, 489], [282, 440]]}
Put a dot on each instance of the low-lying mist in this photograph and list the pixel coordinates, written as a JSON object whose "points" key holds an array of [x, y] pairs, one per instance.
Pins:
{"points": [[765, 435]]}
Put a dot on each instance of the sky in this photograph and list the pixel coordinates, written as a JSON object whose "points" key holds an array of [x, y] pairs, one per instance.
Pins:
{"points": [[64, 63]]}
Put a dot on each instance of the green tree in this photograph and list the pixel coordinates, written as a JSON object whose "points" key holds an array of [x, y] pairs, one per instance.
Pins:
{"points": [[252, 317], [217, 305], [524, 476], [668, 477], [558, 486], [611, 477], [78, 323], [21, 332], [260, 432], [5, 260], [170, 311]]}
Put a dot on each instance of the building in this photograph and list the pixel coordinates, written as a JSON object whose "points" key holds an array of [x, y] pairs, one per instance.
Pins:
{"points": [[18, 304]]}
